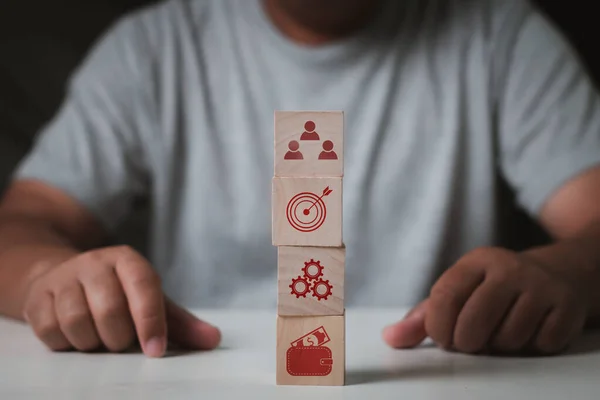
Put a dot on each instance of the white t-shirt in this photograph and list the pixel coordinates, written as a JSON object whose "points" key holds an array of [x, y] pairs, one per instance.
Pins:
{"points": [[443, 99]]}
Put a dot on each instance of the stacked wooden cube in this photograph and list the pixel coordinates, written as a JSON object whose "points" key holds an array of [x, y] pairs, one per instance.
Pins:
{"points": [[307, 229]]}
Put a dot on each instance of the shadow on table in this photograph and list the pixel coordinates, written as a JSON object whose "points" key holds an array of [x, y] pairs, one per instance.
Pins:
{"points": [[413, 367], [588, 343], [181, 352], [172, 350]]}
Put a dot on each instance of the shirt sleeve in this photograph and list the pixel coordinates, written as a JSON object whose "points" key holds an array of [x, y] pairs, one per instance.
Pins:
{"points": [[92, 148], [548, 108]]}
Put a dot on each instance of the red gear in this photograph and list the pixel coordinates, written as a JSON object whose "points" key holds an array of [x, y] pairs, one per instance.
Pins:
{"points": [[328, 290], [295, 282], [313, 263]]}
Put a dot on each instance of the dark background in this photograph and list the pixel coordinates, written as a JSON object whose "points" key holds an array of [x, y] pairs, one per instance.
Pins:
{"points": [[45, 39]]}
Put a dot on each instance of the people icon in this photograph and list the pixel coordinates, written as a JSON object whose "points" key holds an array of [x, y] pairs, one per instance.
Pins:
{"points": [[328, 153], [293, 153], [309, 132]]}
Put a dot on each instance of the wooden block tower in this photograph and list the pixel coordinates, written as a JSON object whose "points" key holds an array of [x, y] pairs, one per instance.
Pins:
{"points": [[307, 229]]}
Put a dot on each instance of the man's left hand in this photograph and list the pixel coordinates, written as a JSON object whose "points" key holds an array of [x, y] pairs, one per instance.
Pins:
{"points": [[495, 300]]}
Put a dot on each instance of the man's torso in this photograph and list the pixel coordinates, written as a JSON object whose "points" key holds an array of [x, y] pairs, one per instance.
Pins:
{"points": [[420, 176]]}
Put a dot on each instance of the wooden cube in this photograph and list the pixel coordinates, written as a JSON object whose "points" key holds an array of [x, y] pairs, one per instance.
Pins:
{"points": [[311, 280], [309, 143], [307, 212], [311, 350]]}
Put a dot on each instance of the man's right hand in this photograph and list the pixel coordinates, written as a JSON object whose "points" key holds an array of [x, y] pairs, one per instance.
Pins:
{"points": [[107, 298]]}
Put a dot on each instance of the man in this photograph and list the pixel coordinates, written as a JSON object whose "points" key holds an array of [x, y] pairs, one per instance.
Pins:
{"points": [[443, 98]]}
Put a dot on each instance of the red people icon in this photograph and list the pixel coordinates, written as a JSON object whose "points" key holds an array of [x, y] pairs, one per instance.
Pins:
{"points": [[294, 153], [309, 132], [328, 153]]}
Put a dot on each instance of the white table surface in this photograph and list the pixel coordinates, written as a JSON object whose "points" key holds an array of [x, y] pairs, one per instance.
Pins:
{"points": [[244, 367]]}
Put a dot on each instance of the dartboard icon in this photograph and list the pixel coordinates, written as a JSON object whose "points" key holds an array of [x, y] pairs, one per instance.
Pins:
{"points": [[306, 211]]}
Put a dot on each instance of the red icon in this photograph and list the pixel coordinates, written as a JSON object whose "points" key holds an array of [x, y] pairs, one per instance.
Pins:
{"points": [[321, 289], [306, 211], [300, 286], [308, 357], [313, 269], [310, 282], [328, 153], [293, 153], [309, 132]]}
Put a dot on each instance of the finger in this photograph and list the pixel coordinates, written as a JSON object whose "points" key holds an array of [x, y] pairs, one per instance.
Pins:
{"points": [[409, 332], [447, 299], [109, 309], [145, 300], [560, 326], [75, 319], [42, 318], [482, 314], [520, 324], [188, 331]]}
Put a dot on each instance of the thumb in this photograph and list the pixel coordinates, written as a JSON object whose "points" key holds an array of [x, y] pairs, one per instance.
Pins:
{"points": [[410, 331], [186, 330]]}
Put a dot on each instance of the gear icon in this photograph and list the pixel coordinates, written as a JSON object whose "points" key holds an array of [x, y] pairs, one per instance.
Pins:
{"points": [[321, 289], [310, 273], [300, 286]]}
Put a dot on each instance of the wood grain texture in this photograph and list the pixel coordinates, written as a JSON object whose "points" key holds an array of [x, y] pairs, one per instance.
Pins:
{"points": [[311, 350], [310, 280], [309, 143], [303, 215]]}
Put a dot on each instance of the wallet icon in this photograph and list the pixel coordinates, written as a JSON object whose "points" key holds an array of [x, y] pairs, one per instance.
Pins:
{"points": [[308, 357]]}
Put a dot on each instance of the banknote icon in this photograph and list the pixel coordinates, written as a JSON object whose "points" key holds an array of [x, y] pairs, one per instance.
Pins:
{"points": [[317, 337]]}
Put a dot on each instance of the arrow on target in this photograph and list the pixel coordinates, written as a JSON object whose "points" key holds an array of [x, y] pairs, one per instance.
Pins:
{"points": [[326, 192]]}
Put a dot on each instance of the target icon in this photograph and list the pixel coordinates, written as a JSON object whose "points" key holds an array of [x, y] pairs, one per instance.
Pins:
{"points": [[306, 211]]}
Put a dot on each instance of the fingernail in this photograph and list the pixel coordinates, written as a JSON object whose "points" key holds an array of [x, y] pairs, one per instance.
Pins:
{"points": [[389, 333], [155, 347], [390, 329]]}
